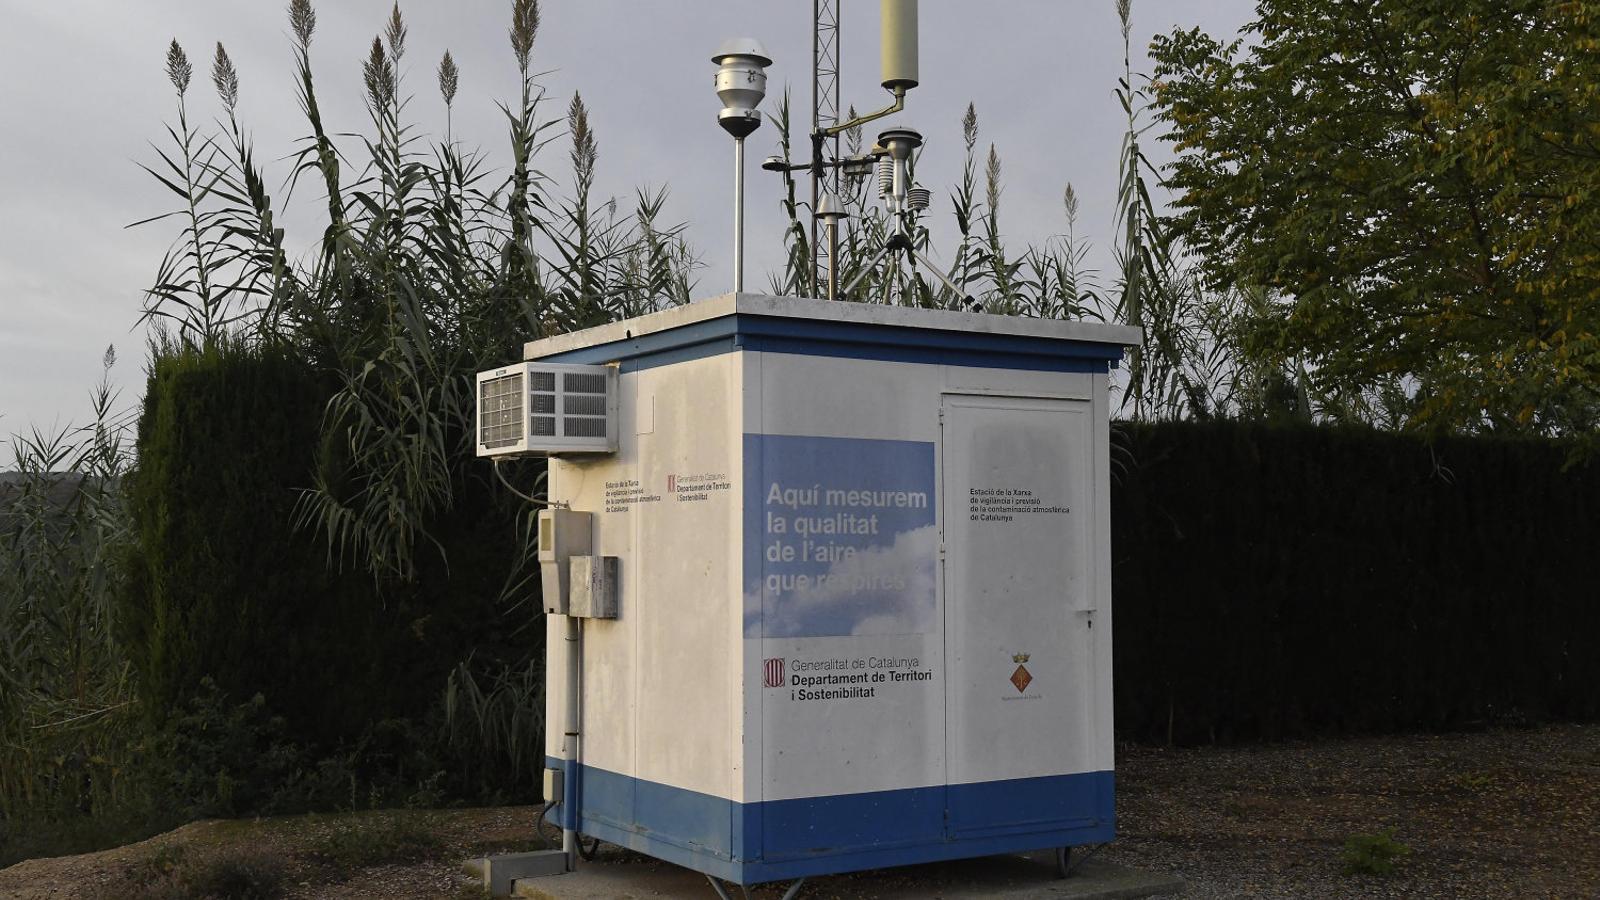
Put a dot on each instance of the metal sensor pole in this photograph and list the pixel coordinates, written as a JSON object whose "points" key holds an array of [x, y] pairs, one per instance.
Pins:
{"points": [[741, 85], [830, 211], [738, 215]]}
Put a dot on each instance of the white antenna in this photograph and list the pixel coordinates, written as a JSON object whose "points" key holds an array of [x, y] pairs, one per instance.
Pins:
{"points": [[899, 44]]}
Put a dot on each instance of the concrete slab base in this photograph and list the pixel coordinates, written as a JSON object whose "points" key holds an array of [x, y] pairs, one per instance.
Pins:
{"points": [[620, 875], [500, 873]]}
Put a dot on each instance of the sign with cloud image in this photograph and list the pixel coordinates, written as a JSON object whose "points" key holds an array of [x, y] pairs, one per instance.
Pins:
{"points": [[841, 537]]}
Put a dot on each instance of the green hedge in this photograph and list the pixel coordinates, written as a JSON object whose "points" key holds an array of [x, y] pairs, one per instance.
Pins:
{"points": [[224, 587], [1274, 582]]}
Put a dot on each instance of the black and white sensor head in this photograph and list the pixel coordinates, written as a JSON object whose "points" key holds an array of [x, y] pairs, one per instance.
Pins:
{"points": [[741, 84]]}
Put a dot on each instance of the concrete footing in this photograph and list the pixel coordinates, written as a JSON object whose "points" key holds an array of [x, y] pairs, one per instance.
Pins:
{"points": [[501, 873]]}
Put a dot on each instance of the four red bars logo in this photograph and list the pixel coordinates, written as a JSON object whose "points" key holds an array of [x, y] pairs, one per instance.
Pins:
{"points": [[672, 484], [774, 672]]}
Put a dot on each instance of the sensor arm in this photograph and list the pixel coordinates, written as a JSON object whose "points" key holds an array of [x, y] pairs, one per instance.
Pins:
{"points": [[898, 105]]}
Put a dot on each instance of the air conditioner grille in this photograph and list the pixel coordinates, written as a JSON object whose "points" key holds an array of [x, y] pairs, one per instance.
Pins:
{"points": [[585, 405], [583, 383], [585, 426], [501, 418]]}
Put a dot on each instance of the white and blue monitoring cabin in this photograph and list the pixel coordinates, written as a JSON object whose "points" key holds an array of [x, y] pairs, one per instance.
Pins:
{"points": [[864, 611]]}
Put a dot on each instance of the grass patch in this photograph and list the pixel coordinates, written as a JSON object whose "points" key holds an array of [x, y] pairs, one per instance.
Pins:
{"points": [[176, 872], [378, 841], [1474, 782], [1373, 854]]}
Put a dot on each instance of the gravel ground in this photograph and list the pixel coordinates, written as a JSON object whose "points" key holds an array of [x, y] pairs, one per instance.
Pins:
{"points": [[1492, 815], [1501, 814]]}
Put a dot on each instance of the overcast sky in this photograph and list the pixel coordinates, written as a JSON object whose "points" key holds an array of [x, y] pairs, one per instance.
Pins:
{"points": [[83, 93]]}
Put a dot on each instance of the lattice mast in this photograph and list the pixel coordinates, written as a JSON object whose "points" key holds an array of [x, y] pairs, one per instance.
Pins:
{"points": [[825, 114]]}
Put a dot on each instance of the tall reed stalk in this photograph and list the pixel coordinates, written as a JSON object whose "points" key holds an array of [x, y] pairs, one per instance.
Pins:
{"points": [[66, 695], [429, 268]]}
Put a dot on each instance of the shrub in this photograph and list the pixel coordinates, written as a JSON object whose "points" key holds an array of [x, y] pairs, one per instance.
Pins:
{"points": [[235, 875], [177, 872]]}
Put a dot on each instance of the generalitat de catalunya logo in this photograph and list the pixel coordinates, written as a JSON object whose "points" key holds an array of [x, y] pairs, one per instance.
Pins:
{"points": [[774, 672]]}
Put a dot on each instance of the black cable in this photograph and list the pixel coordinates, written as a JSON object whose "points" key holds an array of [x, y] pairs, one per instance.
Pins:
{"points": [[538, 828], [541, 821], [534, 500]]}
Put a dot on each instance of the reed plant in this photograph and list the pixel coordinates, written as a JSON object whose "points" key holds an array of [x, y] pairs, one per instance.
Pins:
{"points": [[68, 724], [431, 265]]}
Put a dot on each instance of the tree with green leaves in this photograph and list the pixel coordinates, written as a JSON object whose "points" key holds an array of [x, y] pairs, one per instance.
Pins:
{"points": [[1413, 187]]}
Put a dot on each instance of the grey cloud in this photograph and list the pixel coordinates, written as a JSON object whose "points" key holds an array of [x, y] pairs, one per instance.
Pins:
{"points": [[85, 93]]}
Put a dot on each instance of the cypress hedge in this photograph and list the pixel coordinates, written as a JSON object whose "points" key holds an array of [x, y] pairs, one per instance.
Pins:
{"points": [[1273, 582], [1270, 581], [223, 587]]}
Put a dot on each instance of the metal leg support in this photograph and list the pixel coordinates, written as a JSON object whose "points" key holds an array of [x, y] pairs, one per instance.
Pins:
{"points": [[942, 277], [868, 270], [722, 889]]}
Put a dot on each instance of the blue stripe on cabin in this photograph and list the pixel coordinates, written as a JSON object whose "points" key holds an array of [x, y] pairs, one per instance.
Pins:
{"points": [[751, 843], [849, 340]]}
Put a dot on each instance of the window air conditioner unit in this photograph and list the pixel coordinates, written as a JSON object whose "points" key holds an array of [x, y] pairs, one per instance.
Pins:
{"points": [[547, 409]]}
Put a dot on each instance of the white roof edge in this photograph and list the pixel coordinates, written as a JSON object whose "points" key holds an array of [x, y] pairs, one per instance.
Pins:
{"points": [[833, 311]]}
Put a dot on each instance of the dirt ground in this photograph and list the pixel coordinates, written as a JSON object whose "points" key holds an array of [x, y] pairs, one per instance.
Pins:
{"points": [[1492, 815]]}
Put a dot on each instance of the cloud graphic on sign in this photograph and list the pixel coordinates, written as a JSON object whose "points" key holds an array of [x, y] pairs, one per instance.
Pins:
{"points": [[890, 589]]}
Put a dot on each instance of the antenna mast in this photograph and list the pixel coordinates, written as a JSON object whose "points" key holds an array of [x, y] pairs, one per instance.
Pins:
{"points": [[825, 114], [900, 74]]}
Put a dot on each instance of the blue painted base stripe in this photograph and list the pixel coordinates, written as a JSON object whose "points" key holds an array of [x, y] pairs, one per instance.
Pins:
{"points": [[759, 872], [851, 340], [766, 841]]}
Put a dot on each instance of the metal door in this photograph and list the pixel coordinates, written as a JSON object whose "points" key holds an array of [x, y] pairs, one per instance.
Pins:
{"points": [[1019, 605]]}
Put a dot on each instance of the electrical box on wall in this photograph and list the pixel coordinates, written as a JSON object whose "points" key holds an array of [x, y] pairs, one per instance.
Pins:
{"points": [[864, 612], [542, 409], [594, 587], [563, 535]]}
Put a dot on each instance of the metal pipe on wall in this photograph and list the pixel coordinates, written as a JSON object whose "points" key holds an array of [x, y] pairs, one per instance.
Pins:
{"points": [[571, 746]]}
